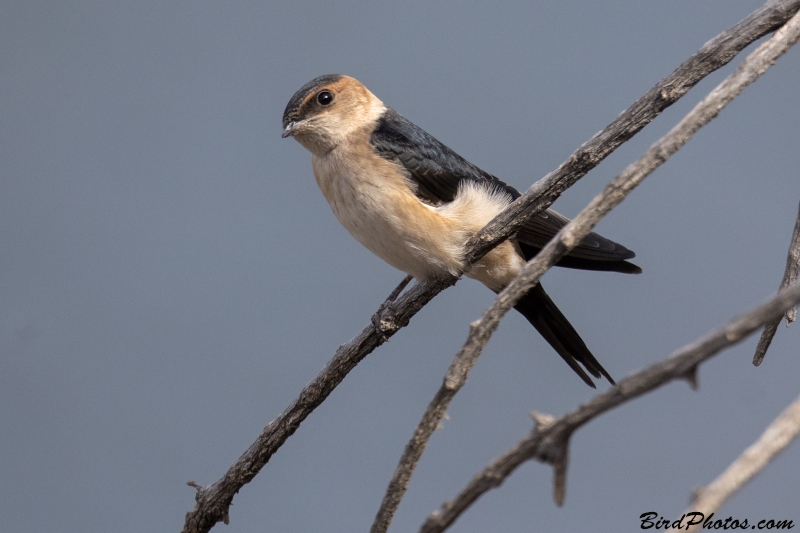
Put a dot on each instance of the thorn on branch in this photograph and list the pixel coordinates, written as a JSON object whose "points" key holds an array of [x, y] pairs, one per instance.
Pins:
{"points": [[560, 475], [542, 420], [697, 493], [691, 377], [764, 342], [789, 279]]}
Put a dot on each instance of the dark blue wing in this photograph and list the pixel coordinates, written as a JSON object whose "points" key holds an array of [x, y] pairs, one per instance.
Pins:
{"points": [[437, 171], [434, 168]]}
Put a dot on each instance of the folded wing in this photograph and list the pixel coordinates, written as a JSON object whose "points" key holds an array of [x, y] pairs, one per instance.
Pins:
{"points": [[436, 171]]}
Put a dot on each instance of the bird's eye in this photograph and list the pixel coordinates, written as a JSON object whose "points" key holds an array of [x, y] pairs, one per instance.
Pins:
{"points": [[325, 98]]}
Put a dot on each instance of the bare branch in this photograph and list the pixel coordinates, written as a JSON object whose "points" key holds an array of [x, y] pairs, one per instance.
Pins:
{"points": [[691, 378], [614, 193], [789, 278], [716, 53], [213, 501], [540, 443], [780, 433], [378, 320]]}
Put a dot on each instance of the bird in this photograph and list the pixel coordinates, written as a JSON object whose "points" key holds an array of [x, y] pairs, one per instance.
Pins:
{"points": [[414, 202]]}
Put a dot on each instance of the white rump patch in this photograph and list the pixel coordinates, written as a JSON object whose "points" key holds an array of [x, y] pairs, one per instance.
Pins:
{"points": [[475, 205]]}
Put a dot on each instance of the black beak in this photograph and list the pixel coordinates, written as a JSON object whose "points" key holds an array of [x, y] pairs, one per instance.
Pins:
{"points": [[288, 130]]}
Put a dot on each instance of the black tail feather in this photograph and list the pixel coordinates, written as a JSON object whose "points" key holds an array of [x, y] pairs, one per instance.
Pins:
{"points": [[624, 267], [542, 313]]}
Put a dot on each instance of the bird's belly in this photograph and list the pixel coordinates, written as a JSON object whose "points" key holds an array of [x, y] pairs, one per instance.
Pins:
{"points": [[385, 216], [399, 229]]}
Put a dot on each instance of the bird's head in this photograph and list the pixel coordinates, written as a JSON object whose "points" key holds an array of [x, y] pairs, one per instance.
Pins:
{"points": [[326, 110]]}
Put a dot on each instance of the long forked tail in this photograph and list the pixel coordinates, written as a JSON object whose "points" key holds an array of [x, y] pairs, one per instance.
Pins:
{"points": [[540, 311]]}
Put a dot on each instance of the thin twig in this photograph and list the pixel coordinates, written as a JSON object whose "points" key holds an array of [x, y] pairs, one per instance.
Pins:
{"points": [[213, 501], [548, 441], [789, 278], [716, 53], [614, 193], [780, 433]]}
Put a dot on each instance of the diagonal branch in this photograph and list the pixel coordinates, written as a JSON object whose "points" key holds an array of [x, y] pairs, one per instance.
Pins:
{"points": [[780, 433], [213, 501], [789, 278], [546, 438], [713, 55], [615, 192]]}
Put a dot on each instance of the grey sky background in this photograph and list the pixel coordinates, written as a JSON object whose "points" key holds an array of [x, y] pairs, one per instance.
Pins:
{"points": [[170, 275]]}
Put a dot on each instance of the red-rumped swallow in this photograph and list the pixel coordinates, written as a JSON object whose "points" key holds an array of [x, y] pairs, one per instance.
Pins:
{"points": [[414, 202]]}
